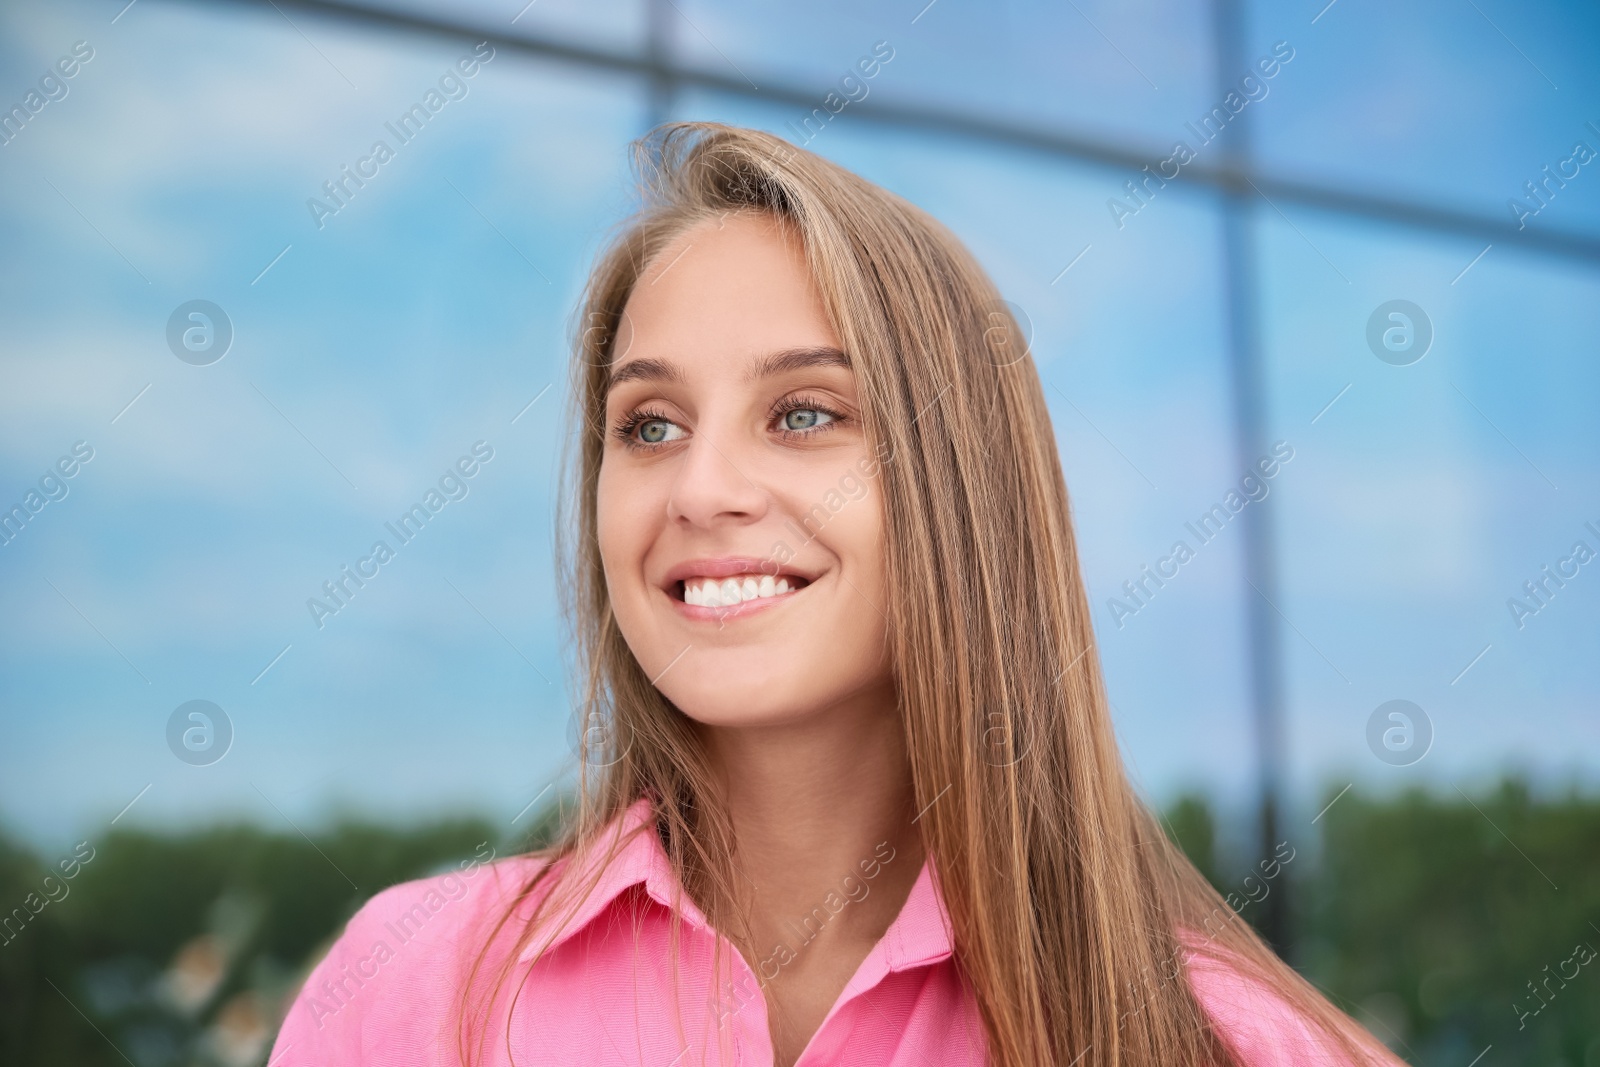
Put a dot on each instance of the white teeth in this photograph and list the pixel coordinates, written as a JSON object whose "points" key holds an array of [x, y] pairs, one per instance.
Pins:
{"points": [[728, 592]]}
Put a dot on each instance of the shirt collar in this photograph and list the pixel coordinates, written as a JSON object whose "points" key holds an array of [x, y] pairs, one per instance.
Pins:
{"points": [[919, 935]]}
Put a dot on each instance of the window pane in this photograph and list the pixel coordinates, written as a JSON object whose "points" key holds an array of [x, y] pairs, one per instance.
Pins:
{"points": [[1129, 72], [1426, 494], [1450, 104], [374, 342]]}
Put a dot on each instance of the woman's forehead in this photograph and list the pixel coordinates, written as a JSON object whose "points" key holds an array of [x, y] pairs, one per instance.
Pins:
{"points": [[725, 289]]}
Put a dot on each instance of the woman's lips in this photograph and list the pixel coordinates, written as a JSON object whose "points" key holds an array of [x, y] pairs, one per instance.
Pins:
{"points": [[728, 567]]}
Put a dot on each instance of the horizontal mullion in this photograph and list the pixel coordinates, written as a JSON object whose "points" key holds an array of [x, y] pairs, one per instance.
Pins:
{"points": [[1229, 180]]}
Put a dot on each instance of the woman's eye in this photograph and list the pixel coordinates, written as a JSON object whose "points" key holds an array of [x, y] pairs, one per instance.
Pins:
{"points": [[656, 431], [805, 419]]}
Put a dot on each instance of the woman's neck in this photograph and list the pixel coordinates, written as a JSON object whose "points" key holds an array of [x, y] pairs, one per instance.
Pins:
{"points": [[822, 810], [817, 793]]}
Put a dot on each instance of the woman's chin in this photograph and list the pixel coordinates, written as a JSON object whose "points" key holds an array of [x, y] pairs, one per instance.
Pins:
{"points": [[729, 711], [736, 706], [768, 701]]}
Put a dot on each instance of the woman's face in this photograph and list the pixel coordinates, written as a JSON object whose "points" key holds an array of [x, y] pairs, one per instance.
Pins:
{"points": [[739, 519]]}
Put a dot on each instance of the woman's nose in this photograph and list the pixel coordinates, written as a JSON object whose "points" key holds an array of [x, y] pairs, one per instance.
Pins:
{"points": [[712, 488]]}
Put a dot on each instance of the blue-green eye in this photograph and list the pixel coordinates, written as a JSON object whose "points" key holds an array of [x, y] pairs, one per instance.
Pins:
{"points": [[805, 419], [646, 428]]}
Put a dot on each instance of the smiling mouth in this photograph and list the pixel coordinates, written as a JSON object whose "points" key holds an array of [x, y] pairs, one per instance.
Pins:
{"points": [[736, 589]]}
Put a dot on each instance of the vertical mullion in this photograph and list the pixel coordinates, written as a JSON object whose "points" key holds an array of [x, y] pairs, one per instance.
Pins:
{"points": [[1247, 385], [663, 85]]}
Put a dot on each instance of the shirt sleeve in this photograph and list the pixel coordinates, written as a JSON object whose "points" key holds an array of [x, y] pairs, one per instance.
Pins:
{"points": [[387, 993], [327, 1018], [1261, 1028]]}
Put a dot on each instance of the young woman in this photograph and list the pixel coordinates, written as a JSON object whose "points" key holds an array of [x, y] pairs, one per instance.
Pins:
{"points": [[849, 791]]}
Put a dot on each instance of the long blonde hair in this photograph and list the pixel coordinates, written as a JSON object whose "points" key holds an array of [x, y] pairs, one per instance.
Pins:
{"points": [[1065, 897]]}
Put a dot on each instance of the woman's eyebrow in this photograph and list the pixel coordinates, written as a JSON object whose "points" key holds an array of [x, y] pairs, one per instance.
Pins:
{"points": [[791, 359], [644, 370]]}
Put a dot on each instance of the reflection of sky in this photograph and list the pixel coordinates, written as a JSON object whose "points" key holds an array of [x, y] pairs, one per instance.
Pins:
{"points": [[1446, 103], [431, 310]]}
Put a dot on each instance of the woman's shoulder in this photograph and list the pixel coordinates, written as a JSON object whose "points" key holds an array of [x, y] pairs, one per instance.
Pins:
{"points": [[434, 909], [393, 977], [1258, 1023]]}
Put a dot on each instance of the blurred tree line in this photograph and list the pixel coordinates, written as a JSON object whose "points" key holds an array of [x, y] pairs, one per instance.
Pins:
{"points": [[1446, 923]]}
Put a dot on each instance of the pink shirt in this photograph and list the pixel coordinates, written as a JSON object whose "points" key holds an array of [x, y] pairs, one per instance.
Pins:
{"points": [[386, 993]]}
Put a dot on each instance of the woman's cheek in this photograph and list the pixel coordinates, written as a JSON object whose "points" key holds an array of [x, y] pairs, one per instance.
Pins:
{"points": [[863, 543], [617, 525]]}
